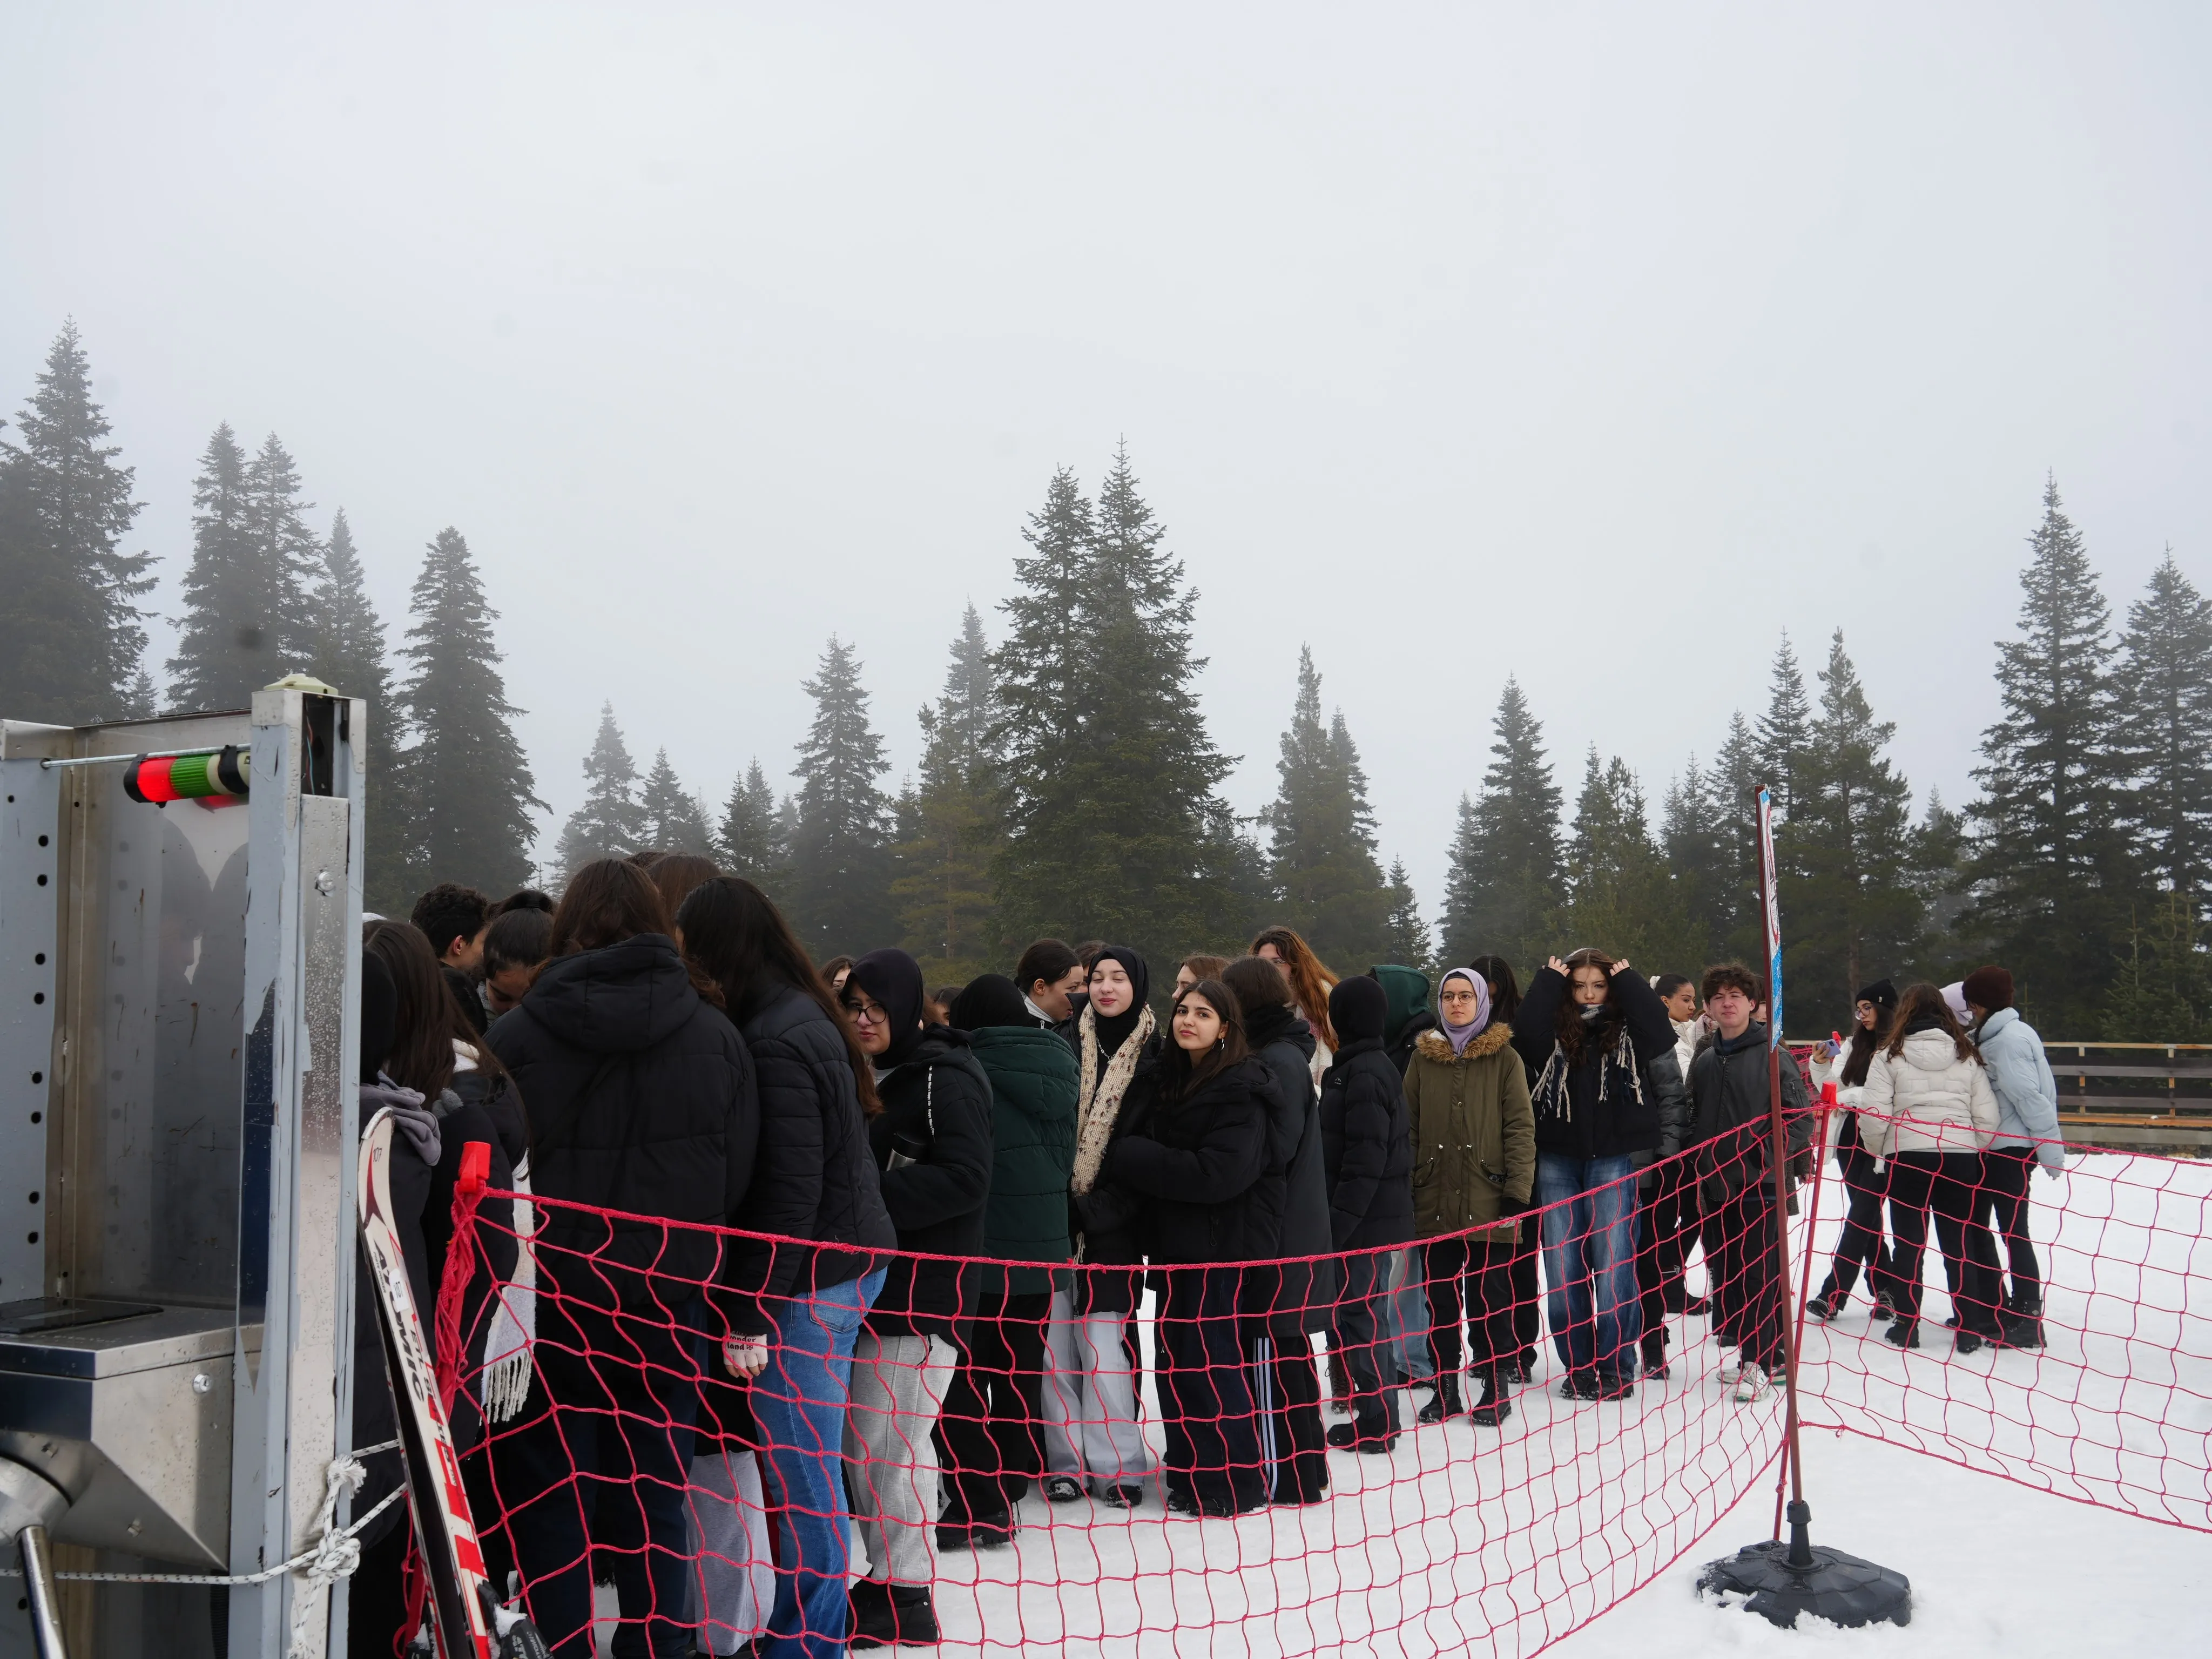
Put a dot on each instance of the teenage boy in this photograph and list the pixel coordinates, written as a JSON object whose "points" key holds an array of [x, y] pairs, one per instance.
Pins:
{"points": [[1735, 1179], [453, 917]]}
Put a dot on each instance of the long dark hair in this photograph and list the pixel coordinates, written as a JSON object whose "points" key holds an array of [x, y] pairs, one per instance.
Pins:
{"points": [[1574, 1036], [1504, 989], [734, 935], [677, 874], [1859, 1057], [1183, 1077], [427, 1020], [1923, 1006]]}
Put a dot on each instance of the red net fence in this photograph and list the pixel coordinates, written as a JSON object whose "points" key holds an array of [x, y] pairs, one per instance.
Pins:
{"points": [[1102, 1460]]}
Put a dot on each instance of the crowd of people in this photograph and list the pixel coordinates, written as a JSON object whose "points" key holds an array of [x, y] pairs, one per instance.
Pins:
{"points": [[955, 1207]]}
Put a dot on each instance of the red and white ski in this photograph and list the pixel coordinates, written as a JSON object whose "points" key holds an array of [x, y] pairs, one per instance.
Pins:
{"points": [[464, 1610]]}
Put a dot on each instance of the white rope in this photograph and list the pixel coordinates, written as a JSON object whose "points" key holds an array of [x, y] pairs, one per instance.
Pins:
{"points": [[334, 1554]]}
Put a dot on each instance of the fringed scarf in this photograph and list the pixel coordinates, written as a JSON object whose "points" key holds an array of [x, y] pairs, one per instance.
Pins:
{"points": [[1553, 1096], [1098, 1099]]}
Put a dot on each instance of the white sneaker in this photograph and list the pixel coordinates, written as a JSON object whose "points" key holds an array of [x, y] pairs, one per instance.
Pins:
{"points": [[1752, 1385], [1730, 1369]]}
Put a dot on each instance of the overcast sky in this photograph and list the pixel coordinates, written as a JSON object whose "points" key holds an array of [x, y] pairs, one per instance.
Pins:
{"points": [[1592, 345]]}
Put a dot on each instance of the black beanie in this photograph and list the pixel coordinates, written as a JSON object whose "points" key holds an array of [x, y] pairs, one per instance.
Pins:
{"points": [[1358, 1008], [1881, 993]]}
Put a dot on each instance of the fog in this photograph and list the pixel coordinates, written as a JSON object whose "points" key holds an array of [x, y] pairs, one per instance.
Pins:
{"points": [[1592, 345]]}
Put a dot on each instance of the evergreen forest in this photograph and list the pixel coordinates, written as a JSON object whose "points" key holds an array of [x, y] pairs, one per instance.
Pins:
{"points": [[1067, 784]]}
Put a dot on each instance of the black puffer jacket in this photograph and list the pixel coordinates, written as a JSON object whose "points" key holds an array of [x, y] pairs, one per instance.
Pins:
{"points": [[1367, 1147], [936, 1127], [642, 1099], [1212, 1191], [816, 1177], [1302, 1294], [1602, 1104]]}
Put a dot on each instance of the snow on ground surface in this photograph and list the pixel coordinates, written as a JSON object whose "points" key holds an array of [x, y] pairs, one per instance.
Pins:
{"points": [[1582, 1527]]}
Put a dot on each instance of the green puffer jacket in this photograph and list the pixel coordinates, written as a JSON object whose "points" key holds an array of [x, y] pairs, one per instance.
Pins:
{"points": [[1033, 1089], [1473, 1132]]}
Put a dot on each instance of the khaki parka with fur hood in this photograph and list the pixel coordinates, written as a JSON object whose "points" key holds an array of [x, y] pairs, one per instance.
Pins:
{"points": [[1474, 1134]]}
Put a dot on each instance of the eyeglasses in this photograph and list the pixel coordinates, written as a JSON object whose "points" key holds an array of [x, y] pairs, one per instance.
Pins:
{"points": [[868, 1014]]}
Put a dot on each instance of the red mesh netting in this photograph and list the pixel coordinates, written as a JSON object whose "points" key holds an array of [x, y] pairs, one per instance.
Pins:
{"points": [[720, 1508]]}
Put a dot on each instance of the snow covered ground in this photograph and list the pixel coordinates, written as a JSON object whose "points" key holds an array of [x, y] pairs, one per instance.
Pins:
{"points": [[1583, 1528]]}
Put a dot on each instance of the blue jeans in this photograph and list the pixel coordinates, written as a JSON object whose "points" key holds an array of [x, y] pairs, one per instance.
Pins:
{"points": [[799, 1403], [1405, 1316], [1589, 1260]]}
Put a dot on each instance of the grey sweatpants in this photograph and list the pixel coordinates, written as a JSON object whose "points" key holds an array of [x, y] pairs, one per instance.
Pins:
{"points": [[891, 1455], [736, 1583], [1091, 1426]]}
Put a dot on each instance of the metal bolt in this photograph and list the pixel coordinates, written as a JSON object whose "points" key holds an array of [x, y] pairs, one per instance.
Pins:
{"points": [[325, 883], [202, 1383], [135, 1527]]}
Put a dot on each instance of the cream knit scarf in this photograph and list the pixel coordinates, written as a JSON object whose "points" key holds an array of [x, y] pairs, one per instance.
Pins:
{"points": [[1097, 1107]]}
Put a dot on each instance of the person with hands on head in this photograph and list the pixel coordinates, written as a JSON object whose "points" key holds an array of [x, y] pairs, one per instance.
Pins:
{"points": [[1367, 1155], [792, 1311], [1929, 1099], [1732, 1131], [1473, 1140], [1198, 1160], [2027, 1134], [1092, 1431], [1591, 1028], [932, 1144]]}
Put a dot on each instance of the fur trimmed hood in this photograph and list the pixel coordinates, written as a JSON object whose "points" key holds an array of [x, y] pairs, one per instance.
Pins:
{"points": [[1433, 1044]]}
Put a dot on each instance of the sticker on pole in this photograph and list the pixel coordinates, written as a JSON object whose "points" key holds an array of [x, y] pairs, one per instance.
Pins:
{"points": [[1773, 917]]}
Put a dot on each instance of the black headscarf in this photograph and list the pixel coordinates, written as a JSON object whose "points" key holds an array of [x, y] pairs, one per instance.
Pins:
{"points": [[1114, 1030], [986, 1000], [894, 979]]}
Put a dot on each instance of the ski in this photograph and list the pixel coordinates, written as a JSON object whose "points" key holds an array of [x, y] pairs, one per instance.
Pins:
{"points": [[464, 1610]]}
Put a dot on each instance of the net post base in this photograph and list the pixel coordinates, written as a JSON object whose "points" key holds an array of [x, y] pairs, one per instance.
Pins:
{"points": [[1779, 1581]]}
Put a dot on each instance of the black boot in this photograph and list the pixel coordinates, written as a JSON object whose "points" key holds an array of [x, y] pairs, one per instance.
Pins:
{"points": [[1831, 1301], [1655, 1355], [886, 1613], [1349, 1436], [1905, 1333], [1447, 1402], [1493, 1408]]}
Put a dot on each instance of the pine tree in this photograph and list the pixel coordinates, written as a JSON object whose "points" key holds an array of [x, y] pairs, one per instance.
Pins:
{"points": [[2162, 991], [841, 863], [2164, 736], [1849, 912], [753, 843], [610, 824], [70, 641], [1506, 873], [1322, 861], [348, 654], [670, 818], [1785, 731], [1618, 894], [2050, 870], [1735, 778], [243, 597], [1113, 826], [950, 828], [463, 785], [1406, 938], [1934, 866], [1699, 845]]}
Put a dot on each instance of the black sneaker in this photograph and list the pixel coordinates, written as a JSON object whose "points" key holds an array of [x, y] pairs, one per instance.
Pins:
{"points": [[1966, 1341], [1616, 1385], [1906, 1334], [985, 1531], [1580, 1385], [2020, 1330], [892, 1613], [1063, 1489], [1828, 1305], [1124, 1495]]}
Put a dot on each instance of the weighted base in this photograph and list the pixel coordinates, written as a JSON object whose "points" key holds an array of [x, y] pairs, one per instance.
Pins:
{"points": [[1830, 1584]]}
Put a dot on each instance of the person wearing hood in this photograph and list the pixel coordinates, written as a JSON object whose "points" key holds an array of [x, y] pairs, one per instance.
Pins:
{"points": [[795, 1309], [1592, 1028], [933, 1150], [1197, 1159], [1404, 1301], [1093, 1432], [1287, 1302], [1367, 1156], [1929, 1099], [992, 1425], [2027, 1134], [1733, 1133], [643, 1101], [1473, 1141], [1859, 1243]]}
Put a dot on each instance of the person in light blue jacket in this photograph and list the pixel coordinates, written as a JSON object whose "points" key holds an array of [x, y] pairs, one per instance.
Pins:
{"points": [[2027, 1134]]}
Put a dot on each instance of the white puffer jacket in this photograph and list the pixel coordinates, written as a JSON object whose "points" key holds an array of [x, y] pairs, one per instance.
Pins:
{"points": [[1927, 1100]]}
